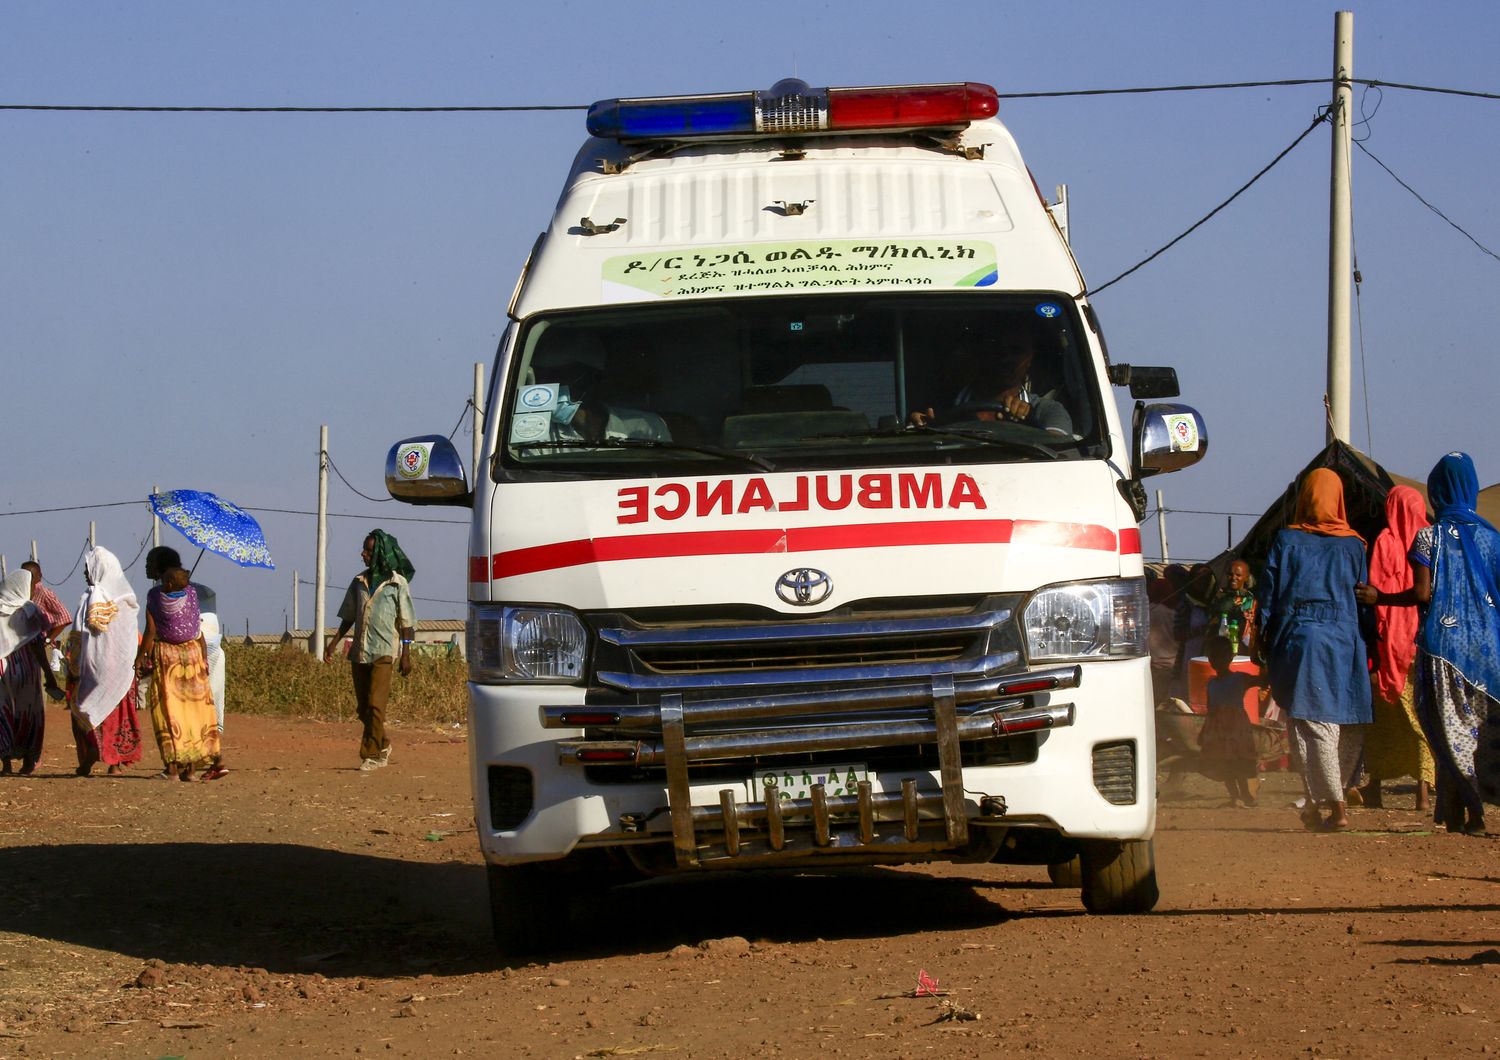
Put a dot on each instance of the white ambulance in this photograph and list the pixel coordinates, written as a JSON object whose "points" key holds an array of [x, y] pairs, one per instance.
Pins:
{"points": [[805, 533]]}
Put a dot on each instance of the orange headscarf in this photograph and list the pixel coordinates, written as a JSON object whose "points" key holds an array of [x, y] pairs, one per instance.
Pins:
{"points": [[1320, 505], [1390, 571]]}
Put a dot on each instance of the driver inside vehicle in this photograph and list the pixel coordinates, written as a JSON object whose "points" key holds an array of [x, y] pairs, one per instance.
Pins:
{"points": [[581, 415], [999, 390]]}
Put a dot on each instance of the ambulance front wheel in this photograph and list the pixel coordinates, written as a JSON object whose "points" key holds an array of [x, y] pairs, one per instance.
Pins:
{"points": [[1119, 877]]}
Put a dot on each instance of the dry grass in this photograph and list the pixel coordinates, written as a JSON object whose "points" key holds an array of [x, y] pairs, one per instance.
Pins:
{"points": [[285, 681]]}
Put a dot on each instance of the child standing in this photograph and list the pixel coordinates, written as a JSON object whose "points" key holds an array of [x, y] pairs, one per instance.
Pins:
{"points": [[1231, 613], [1227, 738]]}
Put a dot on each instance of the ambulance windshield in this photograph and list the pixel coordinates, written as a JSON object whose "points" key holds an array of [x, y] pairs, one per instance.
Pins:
{"points": [[803, 382]]}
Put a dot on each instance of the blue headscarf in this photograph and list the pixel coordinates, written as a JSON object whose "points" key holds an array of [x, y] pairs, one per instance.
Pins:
{"points": [[1462, 624]]}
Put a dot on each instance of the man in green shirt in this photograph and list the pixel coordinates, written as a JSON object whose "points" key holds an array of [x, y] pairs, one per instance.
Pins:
{"points": [[378, 607]]}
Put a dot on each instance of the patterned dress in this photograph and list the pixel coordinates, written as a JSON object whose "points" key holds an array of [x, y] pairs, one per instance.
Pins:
{"points": [[1461, 719]]}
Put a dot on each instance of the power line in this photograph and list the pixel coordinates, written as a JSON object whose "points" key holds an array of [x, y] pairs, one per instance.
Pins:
{"points": [[1322, 117], [77, 561], [1424, 202], [468, 404], [277, 511], [1141, 90], [74, 508], [194, 109], [552, 107], [340, 474], [1199, 511], [144, 539], [1427, 88], [424, 599], [376, 518]]}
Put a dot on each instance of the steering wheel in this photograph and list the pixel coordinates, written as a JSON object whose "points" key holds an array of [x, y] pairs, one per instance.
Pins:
{"points": [[966, 411]]}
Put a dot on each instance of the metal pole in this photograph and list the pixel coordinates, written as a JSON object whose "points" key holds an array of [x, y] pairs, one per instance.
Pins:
{"points": [[1228, 531], [320, 578], [1161, 525], [155, 522], [1339, 227], [91, 533], [3, 572], [478, 421], [33, 550], [296, 609]]}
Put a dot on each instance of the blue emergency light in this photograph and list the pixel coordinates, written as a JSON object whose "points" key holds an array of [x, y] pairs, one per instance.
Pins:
{"points": [[792, 108]]}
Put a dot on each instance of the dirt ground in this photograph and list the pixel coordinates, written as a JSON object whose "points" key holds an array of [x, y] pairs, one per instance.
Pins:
{"points": [[302, 906]]}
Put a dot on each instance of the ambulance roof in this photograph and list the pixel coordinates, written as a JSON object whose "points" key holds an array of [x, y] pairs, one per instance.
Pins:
{"points": [[922, 209]]}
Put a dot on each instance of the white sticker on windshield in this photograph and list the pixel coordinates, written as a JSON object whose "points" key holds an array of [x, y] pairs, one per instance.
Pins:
{"points": [[539, 397], [1184, 432], [529, 426]]}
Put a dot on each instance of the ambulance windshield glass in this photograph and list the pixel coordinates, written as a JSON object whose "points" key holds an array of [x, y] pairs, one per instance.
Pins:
{"points": [[803, 382]]}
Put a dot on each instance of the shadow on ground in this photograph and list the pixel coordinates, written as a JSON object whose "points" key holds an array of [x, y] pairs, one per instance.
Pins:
{"points": [[289, 908]]}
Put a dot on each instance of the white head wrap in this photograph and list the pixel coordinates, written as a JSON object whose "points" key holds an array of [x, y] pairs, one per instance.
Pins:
{"points": [[20, 621], [106, 659]]}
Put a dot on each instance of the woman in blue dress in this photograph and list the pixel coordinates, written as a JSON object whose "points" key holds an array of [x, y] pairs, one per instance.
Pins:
{"points": [[1457, 565], [1310, 633]]}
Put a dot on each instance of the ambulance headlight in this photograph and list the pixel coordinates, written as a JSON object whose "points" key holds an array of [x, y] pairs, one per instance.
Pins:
{"points": [[1087, 620], [525, 644]]}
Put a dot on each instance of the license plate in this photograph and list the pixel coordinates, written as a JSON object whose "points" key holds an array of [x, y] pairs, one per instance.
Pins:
{"points": [[797, 783]]}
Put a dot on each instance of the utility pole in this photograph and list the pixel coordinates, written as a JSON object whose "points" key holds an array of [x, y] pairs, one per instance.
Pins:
{"points": [[155, 522], [3, 572], [1161, 525], [91, 533], [33, 550], [478, 422], [320, 578], [296, 609], [1340, 210]]}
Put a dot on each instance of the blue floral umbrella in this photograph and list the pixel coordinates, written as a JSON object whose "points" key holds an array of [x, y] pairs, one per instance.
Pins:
{"points": [[212, 523]]}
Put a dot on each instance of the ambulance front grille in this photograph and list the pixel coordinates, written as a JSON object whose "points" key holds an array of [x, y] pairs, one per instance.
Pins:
{"points": [[690, 658], [635, 656]]}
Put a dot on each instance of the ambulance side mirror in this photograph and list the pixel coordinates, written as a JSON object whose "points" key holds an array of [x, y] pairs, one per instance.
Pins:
{"points": [[1166, 438], [426, 470]]}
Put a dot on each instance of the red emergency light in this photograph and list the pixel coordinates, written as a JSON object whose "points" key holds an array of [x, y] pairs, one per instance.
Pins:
{"points": [[790, 107]]}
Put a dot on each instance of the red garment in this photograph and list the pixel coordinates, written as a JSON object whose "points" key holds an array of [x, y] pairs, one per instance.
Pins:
{"points": [[1390, 572]]}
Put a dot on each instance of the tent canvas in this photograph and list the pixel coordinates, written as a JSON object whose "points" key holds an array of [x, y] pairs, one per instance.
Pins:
{"points": [[1366, 484]]}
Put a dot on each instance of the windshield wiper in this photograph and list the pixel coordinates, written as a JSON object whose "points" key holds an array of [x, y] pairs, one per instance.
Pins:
{"points": [[650, 443], [972, 435]]}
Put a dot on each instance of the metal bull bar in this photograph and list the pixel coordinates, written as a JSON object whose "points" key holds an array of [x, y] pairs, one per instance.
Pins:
{"points": [[716, 730]]}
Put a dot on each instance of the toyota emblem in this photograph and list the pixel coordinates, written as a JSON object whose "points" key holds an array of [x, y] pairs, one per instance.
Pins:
{"points": [[804, 587]]}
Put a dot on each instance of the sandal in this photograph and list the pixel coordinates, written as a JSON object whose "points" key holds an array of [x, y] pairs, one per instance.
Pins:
{"points": [[1312, 820], [164, 775], [216, 773]]}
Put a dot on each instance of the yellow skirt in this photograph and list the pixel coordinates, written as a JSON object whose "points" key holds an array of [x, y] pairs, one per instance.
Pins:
{"points": [[1394, 744], [182, 707]]}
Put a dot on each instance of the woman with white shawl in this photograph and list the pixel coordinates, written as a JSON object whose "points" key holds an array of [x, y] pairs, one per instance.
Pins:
{"points": [[105, 726], [22, 719]]}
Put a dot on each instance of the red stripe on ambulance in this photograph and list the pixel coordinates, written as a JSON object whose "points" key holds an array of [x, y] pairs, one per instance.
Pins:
{"points": [[1019, 532]]}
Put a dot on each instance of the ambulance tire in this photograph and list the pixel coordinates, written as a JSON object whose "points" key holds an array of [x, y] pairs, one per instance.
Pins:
{"points": [[1119, 877], [530, 908], [1066, 873]]}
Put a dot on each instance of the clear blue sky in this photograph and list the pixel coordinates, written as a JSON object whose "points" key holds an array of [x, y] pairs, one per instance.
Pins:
{"points": [[184, 298]]}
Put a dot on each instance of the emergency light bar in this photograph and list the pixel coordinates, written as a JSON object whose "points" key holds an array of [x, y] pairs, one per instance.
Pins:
{"points": [[792, 108]]}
